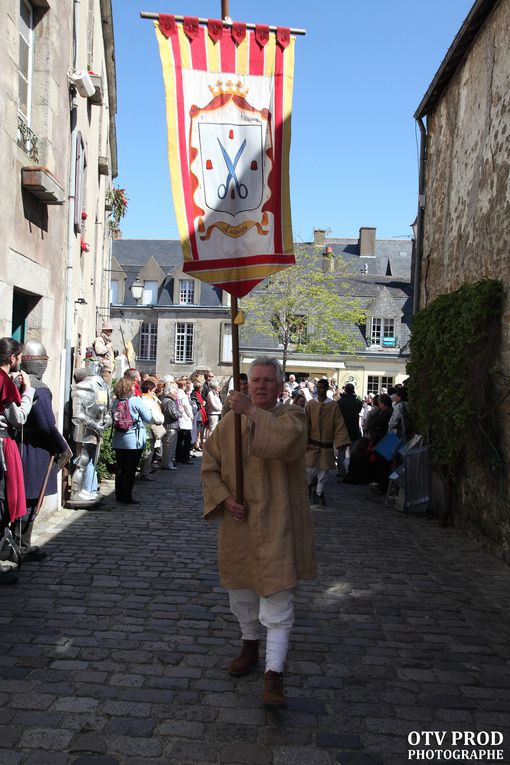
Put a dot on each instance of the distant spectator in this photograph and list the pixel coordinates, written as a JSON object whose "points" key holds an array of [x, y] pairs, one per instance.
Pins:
{"points": [[134, 375], [206, 387], [213, 405], [350, 406]]}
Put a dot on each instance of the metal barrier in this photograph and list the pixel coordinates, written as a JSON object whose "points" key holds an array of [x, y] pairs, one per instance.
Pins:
{"points": [[413, 479]]}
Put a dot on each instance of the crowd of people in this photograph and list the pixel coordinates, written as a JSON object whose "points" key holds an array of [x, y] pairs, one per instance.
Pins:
{"points": [[157, 423], [169, 421], [292, 433]]}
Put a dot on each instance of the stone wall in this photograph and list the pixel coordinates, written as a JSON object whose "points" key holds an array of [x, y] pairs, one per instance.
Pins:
{"points": [[467, 233]]}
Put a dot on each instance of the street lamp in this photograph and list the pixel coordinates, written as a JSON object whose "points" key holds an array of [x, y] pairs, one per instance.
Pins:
{"points": [[137, 289], [414, 227]]}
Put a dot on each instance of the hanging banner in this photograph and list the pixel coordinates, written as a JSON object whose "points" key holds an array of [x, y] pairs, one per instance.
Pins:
{"points": [[228, 104]]}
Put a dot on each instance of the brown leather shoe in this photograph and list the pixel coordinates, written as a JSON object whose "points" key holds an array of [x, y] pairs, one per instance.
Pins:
{"points": [[273, 689], [247, 659]]}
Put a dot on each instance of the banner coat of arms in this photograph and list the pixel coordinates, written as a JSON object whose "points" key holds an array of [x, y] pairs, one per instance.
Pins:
{"points": [[228, 104]]}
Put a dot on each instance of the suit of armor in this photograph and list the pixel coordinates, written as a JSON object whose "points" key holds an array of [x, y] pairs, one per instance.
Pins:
{"points": [[91, 417], [43, 449]]}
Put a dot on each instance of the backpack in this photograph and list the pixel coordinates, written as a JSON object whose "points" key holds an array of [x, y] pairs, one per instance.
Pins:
{"points": [[122, 417]]}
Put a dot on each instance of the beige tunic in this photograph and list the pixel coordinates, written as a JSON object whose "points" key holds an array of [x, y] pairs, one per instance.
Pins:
{"points": [[104, 349], [326, 426], [275, 546]]}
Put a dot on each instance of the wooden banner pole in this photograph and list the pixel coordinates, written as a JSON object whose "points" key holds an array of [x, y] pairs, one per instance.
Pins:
{"points": [[153, 16], [234, 310], [237, 417]]}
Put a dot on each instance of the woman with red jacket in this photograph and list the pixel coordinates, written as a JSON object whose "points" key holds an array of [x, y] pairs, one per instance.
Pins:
{"points": [[201, 416], [16, 397]]}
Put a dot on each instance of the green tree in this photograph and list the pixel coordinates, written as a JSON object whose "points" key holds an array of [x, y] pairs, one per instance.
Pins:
{"points": [[302, 309]]}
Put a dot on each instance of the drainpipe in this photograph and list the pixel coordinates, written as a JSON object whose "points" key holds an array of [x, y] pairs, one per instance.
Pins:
{"points": [[419, 217], [69, 302]]}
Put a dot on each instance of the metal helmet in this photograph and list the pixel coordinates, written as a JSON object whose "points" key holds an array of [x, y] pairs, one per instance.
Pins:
{"points": [[34, 358]]}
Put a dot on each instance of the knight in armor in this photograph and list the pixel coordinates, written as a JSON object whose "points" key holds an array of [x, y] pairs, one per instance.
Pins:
{"points": [[91, 417], [44, 451]]}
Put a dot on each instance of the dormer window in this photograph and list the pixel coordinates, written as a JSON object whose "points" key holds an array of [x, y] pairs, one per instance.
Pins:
{"points": [[186, 292], [150, 293], [382, 332], [115, 292]]}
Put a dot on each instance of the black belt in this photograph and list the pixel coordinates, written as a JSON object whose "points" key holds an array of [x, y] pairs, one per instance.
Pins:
{"points": [[321, 444]]}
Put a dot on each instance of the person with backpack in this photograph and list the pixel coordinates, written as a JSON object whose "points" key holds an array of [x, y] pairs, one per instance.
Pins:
{"points": [[129, 414]]}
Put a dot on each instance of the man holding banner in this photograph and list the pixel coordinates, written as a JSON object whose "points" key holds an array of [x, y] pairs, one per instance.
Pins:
{"points": [[266, 543], [228, 91]]}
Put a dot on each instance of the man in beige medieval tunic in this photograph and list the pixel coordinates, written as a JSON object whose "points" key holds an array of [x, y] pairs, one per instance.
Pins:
{"points": [[266, 543], [326, 429], [103, 349]]}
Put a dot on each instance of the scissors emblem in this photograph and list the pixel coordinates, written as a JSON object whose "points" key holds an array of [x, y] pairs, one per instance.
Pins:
{"points": [[241, 188]]}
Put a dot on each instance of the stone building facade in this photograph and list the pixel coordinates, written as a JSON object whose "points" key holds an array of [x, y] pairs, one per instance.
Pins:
{"points": [[179, 324], [465, 212], [57, 138]]}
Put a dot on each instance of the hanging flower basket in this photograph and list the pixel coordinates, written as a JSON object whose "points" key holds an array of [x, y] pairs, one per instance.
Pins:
{"points": [[116, 202]]}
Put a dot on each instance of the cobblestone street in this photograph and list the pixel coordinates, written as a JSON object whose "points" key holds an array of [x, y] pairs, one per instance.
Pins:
{"points": [[114, 649]]}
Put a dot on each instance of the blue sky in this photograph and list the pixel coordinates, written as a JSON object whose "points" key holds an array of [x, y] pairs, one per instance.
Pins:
{"points": [[361, 71]]}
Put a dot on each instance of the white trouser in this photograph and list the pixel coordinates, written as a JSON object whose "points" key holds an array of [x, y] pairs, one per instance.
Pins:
{"points": [[275, 613], [321, 476]]}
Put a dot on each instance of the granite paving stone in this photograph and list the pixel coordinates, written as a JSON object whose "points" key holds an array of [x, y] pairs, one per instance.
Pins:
{"points": [[114, 650]]}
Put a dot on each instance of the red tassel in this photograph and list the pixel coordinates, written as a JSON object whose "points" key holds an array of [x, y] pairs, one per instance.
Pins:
{"points": [[215, 29], [254, 164], [191, 27], [262, 34], [208, 165], [167, 25], [283, 36], [238, 31], [230, 134]]}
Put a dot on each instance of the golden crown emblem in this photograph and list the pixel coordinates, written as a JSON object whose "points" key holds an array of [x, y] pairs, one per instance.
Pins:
{"points": [[235, 89]]}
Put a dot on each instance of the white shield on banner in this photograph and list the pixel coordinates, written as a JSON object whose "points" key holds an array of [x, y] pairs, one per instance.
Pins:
{"points": [[232, 163]]}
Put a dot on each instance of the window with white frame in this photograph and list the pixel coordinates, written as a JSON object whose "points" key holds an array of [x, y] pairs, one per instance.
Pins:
{"points": [[186, 291], [184, 341], [382, 332], [148, 342], [26, 54], [226, 343], [376, 382], [115, 292], [150, 293]]}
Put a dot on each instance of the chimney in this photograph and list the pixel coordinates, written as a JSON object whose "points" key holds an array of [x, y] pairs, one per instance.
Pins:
{"points": [[319, 237], [328, 260], [367, 242]]}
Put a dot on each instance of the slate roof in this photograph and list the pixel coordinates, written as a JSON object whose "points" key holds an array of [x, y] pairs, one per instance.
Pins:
{"points": [[392, 253], [132, 254], [384, 277]]}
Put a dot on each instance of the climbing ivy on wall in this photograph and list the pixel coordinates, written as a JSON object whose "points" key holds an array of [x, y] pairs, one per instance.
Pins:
{"points": [[454, 344]]}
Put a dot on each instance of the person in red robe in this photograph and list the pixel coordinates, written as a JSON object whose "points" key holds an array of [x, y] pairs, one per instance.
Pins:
{"points": [[16, 397]]}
